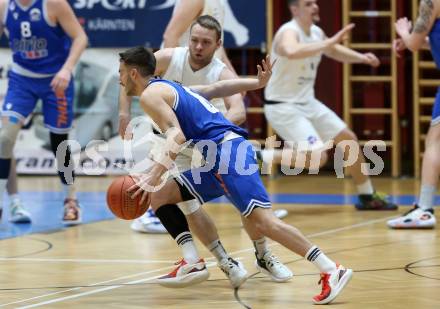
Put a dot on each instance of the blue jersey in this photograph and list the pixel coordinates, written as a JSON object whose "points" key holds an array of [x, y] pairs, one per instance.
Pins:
{"points": [[37, 45], [198, 118], [434, 40]]}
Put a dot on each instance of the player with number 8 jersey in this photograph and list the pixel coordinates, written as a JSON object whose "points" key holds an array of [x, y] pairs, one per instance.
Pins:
{"points": [[46, 40]]}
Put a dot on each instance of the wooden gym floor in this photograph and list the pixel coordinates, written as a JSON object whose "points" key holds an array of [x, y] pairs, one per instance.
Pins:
{"points": [[106, 265]]}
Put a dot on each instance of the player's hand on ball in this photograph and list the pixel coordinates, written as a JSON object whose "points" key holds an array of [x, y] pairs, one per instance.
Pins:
{"points": [[141, 187]]}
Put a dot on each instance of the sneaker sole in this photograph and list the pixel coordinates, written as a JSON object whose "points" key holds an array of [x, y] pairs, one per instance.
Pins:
{"points": [[240, 282], [135, 228], [361, 208], [334, 293], [269, 274], [411, 227], [73, 222], [187, 280], [20, 220]]}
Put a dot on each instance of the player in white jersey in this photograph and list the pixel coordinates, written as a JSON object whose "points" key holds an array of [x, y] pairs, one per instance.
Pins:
{"points": [[291, 107], [184, 14], [196, 65]]}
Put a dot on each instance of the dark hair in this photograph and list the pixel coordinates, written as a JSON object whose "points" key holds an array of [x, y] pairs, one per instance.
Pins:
{"points": [[209, 22], [140, 57], [292, 2]]}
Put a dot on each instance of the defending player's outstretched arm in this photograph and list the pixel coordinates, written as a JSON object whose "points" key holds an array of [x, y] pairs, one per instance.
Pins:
{"points": [[225, 88]]}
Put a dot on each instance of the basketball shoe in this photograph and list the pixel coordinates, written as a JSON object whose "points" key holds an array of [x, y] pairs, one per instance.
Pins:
{"points": [[17, 213], [332, 284], [235, 271], [185, 275], [375, 201], [72, 212], [416, 218], [148, 223], [272, 267]]}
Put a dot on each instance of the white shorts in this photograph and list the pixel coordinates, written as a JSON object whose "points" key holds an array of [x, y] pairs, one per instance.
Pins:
{"points": [[304, 125]]}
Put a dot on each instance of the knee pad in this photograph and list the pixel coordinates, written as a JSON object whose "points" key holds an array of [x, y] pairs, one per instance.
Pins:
{"points": [[8, 136], [189, 207]]}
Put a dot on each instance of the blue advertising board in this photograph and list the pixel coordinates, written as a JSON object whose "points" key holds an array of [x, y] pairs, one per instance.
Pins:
{"points": [[125, 23], [122, 23]]}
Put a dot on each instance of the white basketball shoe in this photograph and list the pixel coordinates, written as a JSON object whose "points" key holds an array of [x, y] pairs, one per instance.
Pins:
{"points": [[148, 223], [235, 271], [416, 218]]}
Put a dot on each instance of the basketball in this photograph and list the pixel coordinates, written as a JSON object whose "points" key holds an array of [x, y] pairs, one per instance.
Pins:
{"points": [[120, 202]]}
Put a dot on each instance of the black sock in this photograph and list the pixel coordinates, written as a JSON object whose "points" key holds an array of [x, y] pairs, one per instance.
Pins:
{"points": [[172, 219], [65, 164]]}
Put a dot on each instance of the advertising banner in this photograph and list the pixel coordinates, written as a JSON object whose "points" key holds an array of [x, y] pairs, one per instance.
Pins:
{"points": [[113, 25], [125, 23]]}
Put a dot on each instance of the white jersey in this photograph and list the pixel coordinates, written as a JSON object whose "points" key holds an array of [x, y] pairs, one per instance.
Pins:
{"points": [[214, 8], [294, 80], [179, 70]]}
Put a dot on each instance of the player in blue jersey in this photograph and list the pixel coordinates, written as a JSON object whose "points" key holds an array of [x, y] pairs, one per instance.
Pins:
{"points": [[185, 114], [46, 41], [424, 33]]}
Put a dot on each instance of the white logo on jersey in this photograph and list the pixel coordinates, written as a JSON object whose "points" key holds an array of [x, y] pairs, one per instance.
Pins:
{"points": [[112, 5], [15, 15], [35, 14]]}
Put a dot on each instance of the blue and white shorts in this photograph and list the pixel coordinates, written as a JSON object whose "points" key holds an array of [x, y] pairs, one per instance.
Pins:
{"points": [[22, 97], [234, 174]]}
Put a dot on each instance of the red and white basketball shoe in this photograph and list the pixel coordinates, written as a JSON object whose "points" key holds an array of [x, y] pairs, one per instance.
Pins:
{"points": [[185, 275], [332, 284]]}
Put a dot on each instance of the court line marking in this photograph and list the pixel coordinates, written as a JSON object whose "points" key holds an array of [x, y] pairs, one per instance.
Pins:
{"points": [[55, 300], [77, 288], [328, 232], [98, 283], [87, 261]]}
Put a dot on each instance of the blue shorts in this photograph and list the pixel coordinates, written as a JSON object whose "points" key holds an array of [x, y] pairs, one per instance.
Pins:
{"points": [[436, 109], [235, 174], [23, 94]]}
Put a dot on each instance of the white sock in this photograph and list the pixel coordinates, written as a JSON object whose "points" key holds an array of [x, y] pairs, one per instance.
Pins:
{"points": [[260, 246], [189, 250], [320, 260], [218, 250], [69, 191], [14, 198], [427, 195], [366, 187], [3, 183]]}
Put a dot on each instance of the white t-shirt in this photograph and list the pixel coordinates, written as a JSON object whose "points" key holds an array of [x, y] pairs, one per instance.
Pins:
{"points": [[293, 80], [179, 70]]}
